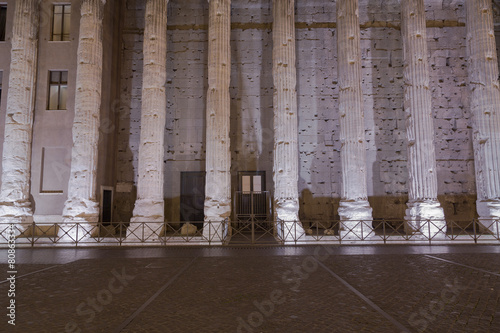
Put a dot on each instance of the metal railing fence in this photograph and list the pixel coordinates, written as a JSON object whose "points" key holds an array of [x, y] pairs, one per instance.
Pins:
{"points": [[250, 232]]}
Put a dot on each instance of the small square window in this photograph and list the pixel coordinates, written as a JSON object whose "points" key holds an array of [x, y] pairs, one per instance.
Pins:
{"points": [[58, 90], [3, 22], [61, 22]]}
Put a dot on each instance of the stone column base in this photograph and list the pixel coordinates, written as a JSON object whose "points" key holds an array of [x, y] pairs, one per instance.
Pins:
{"points": [[16, 212], [425, 219], [287, 211], [489, 216], [80, 210], [216, 212], [355, 220], [80, 218], [147, 210], [147, 221]]}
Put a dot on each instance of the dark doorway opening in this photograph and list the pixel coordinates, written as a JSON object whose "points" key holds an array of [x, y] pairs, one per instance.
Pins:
{"points": [[107, 206], [192, 201]]}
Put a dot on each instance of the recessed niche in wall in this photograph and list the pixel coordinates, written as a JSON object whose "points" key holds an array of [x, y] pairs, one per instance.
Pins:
{"points": [[53, 170]]}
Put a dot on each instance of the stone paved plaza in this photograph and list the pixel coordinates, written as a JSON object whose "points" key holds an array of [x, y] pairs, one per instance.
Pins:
{"points": [[256, 289]]}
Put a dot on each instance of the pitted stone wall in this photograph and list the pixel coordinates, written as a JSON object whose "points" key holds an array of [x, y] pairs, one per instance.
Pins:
{"points": [[317, 93], [317, 89], [452, 117], [187, 74], [128, 131]]}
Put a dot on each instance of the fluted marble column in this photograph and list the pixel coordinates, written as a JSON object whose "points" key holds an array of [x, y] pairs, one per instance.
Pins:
{"points": [[286, 149], [15, 206], [149, 206], [354, 211], [424, 214], [485, 107], [218, 155], [81, 205]]}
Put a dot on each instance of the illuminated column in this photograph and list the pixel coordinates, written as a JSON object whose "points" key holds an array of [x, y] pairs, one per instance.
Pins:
{"points": [[15, 206], [286, 149], [149, 206], [354, 211], [485, 107], [218, 155], [82, 205], [423, 205]]}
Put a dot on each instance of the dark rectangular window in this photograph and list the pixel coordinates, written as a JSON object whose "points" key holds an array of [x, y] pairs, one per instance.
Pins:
{"points": [[3, 21], [61, 22], [58, 90], [107, 205]]}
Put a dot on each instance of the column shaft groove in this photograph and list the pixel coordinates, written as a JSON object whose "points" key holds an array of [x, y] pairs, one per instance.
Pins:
{"points": [[485, 106], [354, 204], [422, 187], [82, 205], [286, 151], [15, 204], [218, 154], [149, 206]]}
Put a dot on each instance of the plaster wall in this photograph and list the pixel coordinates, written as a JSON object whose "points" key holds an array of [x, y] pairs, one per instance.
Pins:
{"points": [[52, 129]]}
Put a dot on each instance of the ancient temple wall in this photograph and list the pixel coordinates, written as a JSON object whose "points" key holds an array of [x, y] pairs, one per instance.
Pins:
{"points": [[187, 84], [317, 95], [110, 96], [452, 116], [251, 90], [317, 89], [382, 47], [4, 68], [129, 115]]}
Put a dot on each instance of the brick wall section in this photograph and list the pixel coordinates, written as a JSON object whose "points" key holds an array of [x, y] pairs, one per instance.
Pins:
{"points": [[128, 132], [251, 102]]}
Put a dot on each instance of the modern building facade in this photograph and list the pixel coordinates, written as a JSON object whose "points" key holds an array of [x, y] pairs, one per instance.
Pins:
{"points": [[156, 110]]}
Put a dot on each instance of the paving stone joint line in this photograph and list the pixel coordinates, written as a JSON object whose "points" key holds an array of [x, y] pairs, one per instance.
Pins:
{"points": [[152, 298], [366, 299]]}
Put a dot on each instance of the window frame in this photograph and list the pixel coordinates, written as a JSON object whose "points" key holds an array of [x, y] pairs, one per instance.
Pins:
{"points": [[61, 35], [60, 83], [4, 27]]}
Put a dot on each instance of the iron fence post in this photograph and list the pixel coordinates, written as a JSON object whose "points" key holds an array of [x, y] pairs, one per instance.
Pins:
{"points": [[383, 227], [76, 239], [120, 239], [253, 230], [341, 226], [452, 232], [496, 227], [33, 234], [295, 231], [362, 230], [474, 228], [429, 230]]}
